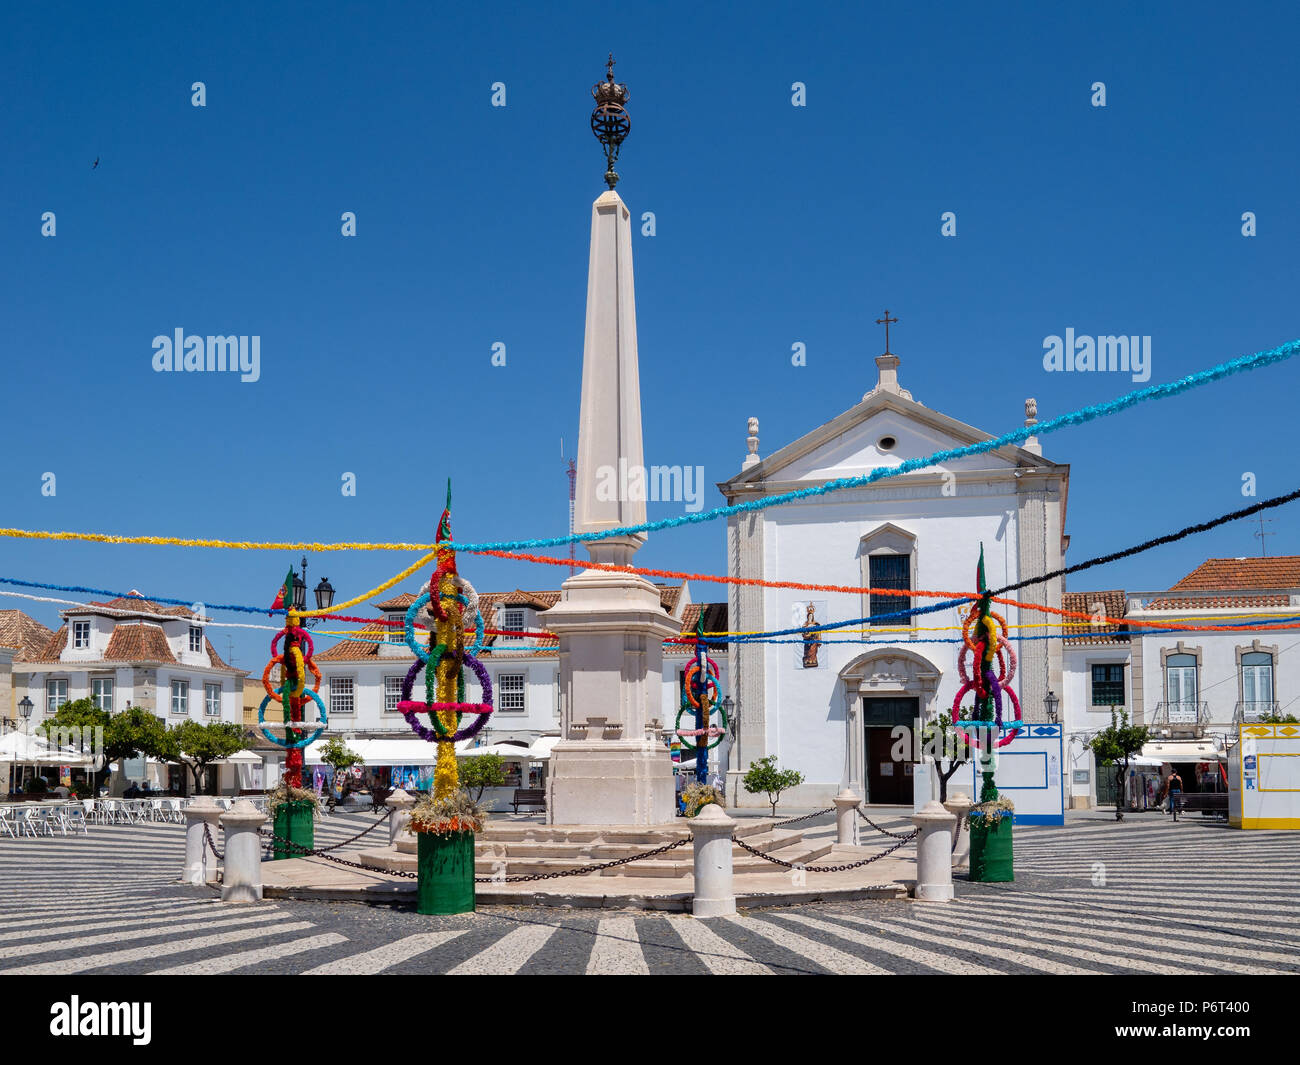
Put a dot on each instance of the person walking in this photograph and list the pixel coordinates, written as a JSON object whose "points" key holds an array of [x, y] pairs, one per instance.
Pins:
{"points": [[1174, 786]]}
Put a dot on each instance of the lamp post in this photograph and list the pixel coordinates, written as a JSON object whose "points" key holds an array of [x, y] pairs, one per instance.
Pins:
{"points": [[1051, 702], [25, 707]]}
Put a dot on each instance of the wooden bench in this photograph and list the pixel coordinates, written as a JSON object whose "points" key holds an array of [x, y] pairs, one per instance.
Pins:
{"points": [[529, 797]]}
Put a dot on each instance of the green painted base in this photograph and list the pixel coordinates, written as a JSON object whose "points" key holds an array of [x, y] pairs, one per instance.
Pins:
{"points": [[991, 859], [296, 822], [446, 869]]}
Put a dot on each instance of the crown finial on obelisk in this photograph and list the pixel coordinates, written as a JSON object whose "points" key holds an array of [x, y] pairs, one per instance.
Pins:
{"points": [[609, 121]]}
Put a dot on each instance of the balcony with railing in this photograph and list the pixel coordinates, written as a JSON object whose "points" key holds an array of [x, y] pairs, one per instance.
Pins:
{"points": [[1181, 716], [1254, 711]]}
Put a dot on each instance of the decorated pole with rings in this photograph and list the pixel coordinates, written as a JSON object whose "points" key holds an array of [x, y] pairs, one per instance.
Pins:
{"points": [[700, 694], [986, 664], [294, 819], [446, 822]]}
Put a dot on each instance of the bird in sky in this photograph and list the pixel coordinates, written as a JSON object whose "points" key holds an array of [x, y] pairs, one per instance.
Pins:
{"points": [[95, 163]]}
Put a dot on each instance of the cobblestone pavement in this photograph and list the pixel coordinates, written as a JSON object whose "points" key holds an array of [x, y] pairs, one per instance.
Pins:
{"points": [[1145, 896]]}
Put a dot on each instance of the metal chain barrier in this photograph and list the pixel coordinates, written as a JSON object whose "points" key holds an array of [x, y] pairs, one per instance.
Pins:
{"points": [[306, 852], [207, 835], [824, 868], [581, 872], [805, 817], [891, 835], [270, 837]]}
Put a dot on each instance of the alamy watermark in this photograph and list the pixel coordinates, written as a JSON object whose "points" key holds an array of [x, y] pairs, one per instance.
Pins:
{"points": [[215, 354], [659, 484], [1118, 354]]}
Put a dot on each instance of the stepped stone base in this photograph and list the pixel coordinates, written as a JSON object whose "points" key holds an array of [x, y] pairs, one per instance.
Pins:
{"points": [[524, 849]]}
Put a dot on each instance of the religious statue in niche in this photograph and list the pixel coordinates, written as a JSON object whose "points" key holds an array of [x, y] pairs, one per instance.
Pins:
{"points": [[806, 615]]}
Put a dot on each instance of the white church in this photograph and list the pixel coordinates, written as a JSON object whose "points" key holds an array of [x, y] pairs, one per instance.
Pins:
{"points": [[828, 708]]}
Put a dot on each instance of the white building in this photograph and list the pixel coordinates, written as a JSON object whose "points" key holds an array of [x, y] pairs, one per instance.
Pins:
{"points": [[828, 709], [361, 678], [131, 652], [1191, 688]]}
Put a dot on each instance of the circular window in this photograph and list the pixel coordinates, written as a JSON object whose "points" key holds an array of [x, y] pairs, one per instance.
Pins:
{"points": [[886, 443]]}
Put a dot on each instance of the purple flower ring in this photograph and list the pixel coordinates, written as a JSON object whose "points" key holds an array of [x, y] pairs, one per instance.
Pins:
{"points": [[409, 708]]}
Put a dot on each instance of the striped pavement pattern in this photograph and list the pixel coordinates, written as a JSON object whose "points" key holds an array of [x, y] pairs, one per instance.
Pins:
{"points": [[1092, 897]]}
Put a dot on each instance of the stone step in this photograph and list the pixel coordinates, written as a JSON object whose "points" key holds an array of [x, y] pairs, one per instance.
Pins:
{"points": [[523, 859]]}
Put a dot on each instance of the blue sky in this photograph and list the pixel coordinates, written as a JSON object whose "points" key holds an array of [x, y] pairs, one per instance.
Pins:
{"points": [[775, 224]]}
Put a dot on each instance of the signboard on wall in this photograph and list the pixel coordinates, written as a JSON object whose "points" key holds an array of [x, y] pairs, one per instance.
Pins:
{"points": [[1028, 772]]}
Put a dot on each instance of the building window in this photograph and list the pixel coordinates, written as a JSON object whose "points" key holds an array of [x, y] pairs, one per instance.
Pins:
{"points": [[514, 622], [890, 571], [1181, 687], [341, 696], [396, 629], [80, 635], [392, 694], [56, 694], [1257, 683], [196, 638], [510, 687], [180, 697], [101, 693], [212, 700], [1108, 685]]}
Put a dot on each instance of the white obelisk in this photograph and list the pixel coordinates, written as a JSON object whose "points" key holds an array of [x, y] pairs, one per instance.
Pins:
{"points": [[606, 770]]}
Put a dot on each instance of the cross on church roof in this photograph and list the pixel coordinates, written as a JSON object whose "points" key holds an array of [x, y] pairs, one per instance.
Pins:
{"points": [[886, 322]]}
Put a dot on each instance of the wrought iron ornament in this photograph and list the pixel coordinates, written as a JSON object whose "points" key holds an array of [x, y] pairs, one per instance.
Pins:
{"points": [[609, 121]]}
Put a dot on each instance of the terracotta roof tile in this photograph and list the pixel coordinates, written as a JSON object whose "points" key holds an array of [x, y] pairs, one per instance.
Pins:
{"points": [[139, 604], [23, 633], [53, 649], [138, 643], [1113, 604], [1216, 602], [217, 661], [1233, 574]]}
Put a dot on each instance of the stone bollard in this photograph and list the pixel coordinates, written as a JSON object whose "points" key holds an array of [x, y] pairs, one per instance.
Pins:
{"points": [[399, 805], [242, 879], [934, 853], [715, 894], [846, 818], [959, 805], [200, 863]]}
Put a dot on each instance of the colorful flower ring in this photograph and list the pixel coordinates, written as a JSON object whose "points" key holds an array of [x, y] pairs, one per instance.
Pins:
{"points": [[714, 731], [694, 689], [414, 608], [279, 660], [409, 708], [998, 691], [971, 619], [261, 721], [1006, 663]]}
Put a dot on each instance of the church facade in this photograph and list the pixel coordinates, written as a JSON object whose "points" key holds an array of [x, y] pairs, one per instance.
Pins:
{"points": [[827, 704]]}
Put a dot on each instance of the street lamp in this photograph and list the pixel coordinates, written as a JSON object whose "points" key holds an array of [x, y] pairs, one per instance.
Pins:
{"points": [[324, 594], [25, 707], [728, 707], [324, 591], [300, 588], [1051, 701]]}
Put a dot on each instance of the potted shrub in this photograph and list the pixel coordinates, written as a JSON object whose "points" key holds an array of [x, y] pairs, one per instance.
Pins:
{"points": [[293, 815], [444, 830], [990, 841]]}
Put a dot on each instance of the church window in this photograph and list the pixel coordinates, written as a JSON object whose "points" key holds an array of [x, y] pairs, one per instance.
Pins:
{"points": [[893, 572]]}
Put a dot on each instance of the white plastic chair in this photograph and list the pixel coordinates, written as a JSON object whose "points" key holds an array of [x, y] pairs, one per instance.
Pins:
{"points": [[73, 816], [33, 821], [7, 820]]}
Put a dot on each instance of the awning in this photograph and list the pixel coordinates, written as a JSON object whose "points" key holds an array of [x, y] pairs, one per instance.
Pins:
{"points": [[1141, 759], [31, 749], [1186, 751], [541, 749], [386, 752], [511, 751]]}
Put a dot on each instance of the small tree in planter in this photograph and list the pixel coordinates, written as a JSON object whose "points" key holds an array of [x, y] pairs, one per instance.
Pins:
{"points": [[1116, 746], [444, 829], [764, 777], [482, 771]]}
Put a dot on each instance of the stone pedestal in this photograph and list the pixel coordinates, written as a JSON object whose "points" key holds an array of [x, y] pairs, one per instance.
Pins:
{"points": [[241, 879], [959, 804], [611, 626], [934, 853], [846, 818], [200, 863], [399, 805], [715, 892]]}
